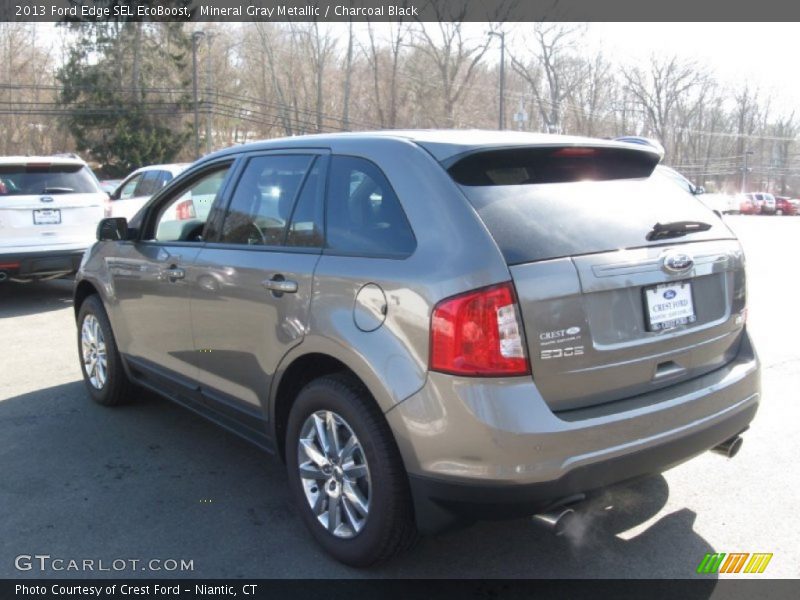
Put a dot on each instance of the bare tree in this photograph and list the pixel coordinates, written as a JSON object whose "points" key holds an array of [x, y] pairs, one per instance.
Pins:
{"points": [[384, 64], [453, 55], [658, 90], [551, 70]]}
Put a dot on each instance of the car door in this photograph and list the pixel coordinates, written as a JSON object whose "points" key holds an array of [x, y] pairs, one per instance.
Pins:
{"points": [[254, 277], [153, 278]]}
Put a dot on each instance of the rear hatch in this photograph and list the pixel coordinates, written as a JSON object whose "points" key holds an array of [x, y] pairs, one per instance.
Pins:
{"points": [[613, 305], [48, 204]]}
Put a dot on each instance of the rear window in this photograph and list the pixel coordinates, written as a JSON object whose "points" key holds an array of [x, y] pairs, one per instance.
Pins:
{"points": [[581, 207], [36, 179]]}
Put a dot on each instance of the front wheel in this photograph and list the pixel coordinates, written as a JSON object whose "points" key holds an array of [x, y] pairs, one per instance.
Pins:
{"points": [[101, 364], [346, 473]]}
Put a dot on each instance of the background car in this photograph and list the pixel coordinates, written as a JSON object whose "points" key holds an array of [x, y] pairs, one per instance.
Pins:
{"points": [[763, 201], [784, 206], [746, 205], [49, 210], [136, 189]]}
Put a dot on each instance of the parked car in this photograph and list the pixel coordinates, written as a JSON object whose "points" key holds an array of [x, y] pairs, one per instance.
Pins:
{"points": [[49, 210], [764, 202], [747, 205], [135, 190], [725, 204], [784, 206], [430, 326]]}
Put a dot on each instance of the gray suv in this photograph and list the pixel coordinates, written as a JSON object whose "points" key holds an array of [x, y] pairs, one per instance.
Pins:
{"points": [[430, 327]]}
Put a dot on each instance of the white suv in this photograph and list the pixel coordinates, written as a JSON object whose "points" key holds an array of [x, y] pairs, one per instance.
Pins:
{"points": [[49, 210]]}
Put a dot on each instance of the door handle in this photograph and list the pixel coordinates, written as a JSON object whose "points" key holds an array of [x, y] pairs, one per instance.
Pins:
{"points": [[174, 273], [280, 285]]}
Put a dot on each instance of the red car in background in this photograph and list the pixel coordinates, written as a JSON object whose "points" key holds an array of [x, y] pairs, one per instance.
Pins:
{"points": [[784, 206], [747, 206]]}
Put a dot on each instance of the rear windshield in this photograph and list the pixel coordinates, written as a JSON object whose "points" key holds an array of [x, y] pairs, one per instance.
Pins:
{"points": [[533, 221], [35, 179]]}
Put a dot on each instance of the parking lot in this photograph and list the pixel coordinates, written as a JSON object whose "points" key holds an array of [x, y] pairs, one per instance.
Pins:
{"points": [[154, 481]]}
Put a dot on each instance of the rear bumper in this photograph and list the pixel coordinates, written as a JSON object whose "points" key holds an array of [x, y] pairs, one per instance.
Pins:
{"points": [[35, 265], [494, 450]]}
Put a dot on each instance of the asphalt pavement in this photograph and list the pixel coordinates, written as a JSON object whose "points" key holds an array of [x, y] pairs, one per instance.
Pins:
{"points": [[152, 481]]}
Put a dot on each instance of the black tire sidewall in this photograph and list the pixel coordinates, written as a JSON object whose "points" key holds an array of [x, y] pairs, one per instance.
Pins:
{"points": [[388, 491], [112, 392]]}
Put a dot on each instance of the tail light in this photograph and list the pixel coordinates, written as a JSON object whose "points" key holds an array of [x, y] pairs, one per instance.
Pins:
{"points": [[478, 334], [185, 211]]}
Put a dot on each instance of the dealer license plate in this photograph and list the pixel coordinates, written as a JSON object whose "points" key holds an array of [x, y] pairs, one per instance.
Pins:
{"points": [[50, 216], [669, 305]]}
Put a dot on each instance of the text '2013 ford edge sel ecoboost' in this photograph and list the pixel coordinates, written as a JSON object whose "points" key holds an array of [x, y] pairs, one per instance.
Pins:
{"points": [[430, 326]]}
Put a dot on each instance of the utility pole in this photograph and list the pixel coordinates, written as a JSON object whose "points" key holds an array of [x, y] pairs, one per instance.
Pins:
{"points": [[209, 116], [501, 121], [744, 171], [196, 36]]}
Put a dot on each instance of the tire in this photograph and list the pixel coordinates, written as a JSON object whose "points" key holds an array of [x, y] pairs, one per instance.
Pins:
{"points": [[113, 388], [387, 528]]}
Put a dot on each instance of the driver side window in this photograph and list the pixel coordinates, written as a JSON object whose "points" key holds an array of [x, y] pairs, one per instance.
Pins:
{"points": [[184, 215], [262, 204]]}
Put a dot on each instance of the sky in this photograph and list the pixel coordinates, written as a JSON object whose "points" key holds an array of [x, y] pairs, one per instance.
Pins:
{"points": [[763, 54]]}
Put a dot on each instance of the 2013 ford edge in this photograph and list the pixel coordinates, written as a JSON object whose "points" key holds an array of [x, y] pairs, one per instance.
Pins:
{"points": [[430, 325]]}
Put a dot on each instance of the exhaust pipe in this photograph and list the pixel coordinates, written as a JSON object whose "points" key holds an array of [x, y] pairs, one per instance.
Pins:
{"points": [[557, 520], [729, 448]]}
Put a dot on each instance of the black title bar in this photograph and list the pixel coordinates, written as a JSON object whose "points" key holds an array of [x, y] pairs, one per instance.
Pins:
{"points": [[394, 10]]}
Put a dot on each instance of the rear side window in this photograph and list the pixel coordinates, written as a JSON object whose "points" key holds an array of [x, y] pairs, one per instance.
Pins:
{"points": [[36, 179], [364, 216], [582, 207]]}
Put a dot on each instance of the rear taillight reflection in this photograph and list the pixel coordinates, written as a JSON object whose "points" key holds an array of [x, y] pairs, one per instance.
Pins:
{"points": [[185, 211]]}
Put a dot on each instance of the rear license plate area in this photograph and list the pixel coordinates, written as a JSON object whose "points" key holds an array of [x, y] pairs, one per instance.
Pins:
{"points": [[50, 216], [668, 305]]}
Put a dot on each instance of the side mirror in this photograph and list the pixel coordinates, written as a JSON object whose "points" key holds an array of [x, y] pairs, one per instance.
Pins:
{"points": [[112, 229]]}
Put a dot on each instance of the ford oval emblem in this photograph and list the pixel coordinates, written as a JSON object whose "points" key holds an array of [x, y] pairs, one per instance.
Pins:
{"points": [[46, 199], [677, 262], [670, 294]]}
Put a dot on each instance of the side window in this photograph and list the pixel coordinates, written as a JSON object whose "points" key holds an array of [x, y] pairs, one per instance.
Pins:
{"points": [[148, 184], [306, 227], [183, 216], [128, 189], [262, 204], [364, 215]]}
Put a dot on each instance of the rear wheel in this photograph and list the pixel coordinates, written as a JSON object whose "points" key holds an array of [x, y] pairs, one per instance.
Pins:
{"points": [[101, 364], [346, 473]]}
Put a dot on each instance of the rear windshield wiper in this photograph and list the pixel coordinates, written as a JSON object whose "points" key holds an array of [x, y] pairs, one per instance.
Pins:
{"points": [[675, 229], [57, 190]]}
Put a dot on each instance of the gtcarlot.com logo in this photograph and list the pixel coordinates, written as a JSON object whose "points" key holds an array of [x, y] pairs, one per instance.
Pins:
{"points": [[735, 562], [46, 563]]}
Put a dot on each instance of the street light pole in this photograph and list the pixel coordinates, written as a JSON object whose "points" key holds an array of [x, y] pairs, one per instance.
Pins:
{"points": [[501, 121], [209, 117], [744, 171], [195, 43]]}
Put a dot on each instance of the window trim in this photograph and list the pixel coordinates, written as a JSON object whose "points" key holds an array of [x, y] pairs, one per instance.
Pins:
{"points": [[328, 251]]}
